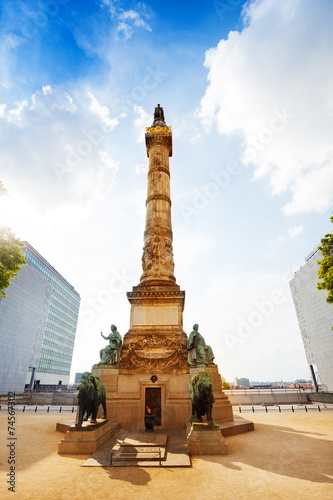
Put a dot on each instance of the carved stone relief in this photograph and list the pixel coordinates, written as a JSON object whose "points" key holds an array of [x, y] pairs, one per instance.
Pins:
{"points": [[154, 352], [158, 256]]}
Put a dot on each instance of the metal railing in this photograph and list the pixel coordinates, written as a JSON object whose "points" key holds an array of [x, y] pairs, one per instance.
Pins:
{"points": [[258, 391], [281, 408], [43, 390], [43, 408]]}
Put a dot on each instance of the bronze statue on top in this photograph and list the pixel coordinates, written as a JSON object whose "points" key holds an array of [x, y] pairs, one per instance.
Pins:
{"points": [[110, 355], [159, 117], [198, 353]]}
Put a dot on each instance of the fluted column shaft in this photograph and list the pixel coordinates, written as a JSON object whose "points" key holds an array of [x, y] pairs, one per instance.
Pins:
{"points": [[157, 258]]}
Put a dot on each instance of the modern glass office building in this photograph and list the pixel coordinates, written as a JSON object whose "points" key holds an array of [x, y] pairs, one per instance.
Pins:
{"points": [[58, 342], [315, 319], [23, 316], [40, 312]]}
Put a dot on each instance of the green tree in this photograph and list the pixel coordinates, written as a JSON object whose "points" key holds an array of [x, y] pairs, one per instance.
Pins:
{"points": [[11, 256], [225, 384], [326, 266]]}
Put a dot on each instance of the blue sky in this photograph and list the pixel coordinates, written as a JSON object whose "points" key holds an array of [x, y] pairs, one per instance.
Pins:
{"points": [[246, 88]]}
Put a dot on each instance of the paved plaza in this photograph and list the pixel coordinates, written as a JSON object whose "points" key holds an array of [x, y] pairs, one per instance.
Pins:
{"points": [[288, 456]]}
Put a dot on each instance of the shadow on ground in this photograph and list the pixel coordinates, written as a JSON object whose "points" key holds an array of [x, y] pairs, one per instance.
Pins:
{"points": [[135, 475], [280, 450]]}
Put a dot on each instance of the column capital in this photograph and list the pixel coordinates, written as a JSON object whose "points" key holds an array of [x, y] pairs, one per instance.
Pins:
{"points": [[159, 136]]}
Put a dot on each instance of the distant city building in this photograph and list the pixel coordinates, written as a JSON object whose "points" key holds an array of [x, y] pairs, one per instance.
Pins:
{"points": [[241, 382], [78, 377], [315, 319], [38, 320]]}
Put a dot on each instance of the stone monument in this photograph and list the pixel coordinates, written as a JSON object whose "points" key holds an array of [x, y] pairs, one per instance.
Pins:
{"points": [[157, 360]]}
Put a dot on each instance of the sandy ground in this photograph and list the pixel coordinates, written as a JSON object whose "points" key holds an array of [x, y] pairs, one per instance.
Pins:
{"points": [[288, 456]]}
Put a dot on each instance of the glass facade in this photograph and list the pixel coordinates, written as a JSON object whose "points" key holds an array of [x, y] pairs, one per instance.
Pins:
{"points": [[23, 316], [315, 319], [59, 336]]}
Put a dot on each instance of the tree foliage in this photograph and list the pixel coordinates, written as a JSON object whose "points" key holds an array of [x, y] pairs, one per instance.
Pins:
{"points": [[11, 258], [326, 266], [225, 384]]}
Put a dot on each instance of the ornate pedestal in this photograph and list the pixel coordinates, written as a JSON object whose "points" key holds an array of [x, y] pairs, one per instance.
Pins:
{"points": [[128, 394], [85, 439], [204, 439]]}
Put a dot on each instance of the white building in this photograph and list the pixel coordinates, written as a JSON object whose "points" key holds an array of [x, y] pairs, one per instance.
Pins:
{"points": [[315, 319], [241, 382]]}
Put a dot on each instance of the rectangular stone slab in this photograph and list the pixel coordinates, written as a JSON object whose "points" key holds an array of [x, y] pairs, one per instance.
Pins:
{"points": [[137, 453], [142, 439]]}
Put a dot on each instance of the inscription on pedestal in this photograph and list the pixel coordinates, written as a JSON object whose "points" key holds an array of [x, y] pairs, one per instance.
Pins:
{"points": [[155, 315]]}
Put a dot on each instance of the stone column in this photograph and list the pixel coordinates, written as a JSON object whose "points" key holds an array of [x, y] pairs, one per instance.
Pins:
{"points": [[157, 258], [156, 340]]}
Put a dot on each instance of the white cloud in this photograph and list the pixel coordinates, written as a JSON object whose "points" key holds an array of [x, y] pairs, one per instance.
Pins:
{"points": [[50, 139], [295, 231], [132, 15], [292, 232], [102, 111], [141, 168], [130, 19], [142, 121], [272, 82], [9, 42], [111, 6]]}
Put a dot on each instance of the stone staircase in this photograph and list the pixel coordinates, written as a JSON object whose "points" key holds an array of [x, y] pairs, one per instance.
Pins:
{"points": [[140, 446]]}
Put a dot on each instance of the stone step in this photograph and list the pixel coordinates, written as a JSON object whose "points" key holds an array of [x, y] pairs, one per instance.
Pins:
{"points": [[144, 439], [132, 453]]}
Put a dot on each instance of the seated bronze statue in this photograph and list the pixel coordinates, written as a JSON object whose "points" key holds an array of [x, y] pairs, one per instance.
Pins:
{"points": [[198, 353], [110, 355]]}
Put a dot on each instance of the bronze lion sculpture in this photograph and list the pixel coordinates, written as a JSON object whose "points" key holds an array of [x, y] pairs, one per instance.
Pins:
{"points": [[201, 392], [91, 395]]}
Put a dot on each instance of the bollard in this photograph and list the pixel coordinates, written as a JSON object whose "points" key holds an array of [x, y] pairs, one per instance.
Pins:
{"points": [[266, 409], [48, 409], [73, 409], [279, 409], [60, 409], [306, 409], [292, 409], [252, 409], [23, 409], [240, 410], [319, 408], [36, 409]]}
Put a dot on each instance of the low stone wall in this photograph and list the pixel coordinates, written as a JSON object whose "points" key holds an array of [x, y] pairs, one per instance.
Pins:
{"points": [[321, 397], [270, 398], [236, 398], [20, 398], [54, 398]]}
